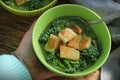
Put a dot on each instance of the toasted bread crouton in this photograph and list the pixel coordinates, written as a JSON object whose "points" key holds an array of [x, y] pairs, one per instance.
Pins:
{"points": [[85, 43], [74, 42], [20, 2], [67, 34], [62, 43], [69, 53], [52, 43], [76, 29]]}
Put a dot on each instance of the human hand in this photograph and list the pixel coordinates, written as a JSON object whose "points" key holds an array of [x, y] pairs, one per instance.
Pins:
{"points": [[26, 54]]}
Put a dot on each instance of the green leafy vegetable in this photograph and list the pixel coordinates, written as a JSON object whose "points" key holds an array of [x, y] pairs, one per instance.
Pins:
{"points": [[28, 5], [87, 56], [54, 28], [53, 59], [91, 53]]}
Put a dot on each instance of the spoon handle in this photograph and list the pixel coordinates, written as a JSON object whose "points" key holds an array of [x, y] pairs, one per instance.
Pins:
{"points": [[106, 18]]}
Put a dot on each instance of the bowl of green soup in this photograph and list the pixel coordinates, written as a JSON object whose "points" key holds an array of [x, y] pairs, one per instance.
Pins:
{"points": [[68, 47], [27, 7]]}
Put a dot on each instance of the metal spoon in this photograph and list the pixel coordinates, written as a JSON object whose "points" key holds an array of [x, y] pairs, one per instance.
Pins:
{"points": [[105, 19]]}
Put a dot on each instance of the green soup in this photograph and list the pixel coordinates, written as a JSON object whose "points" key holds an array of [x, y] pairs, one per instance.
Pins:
{"points": [[87, 56], [28, 5]]}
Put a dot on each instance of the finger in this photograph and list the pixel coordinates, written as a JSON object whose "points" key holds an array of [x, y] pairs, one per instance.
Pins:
{"points": [[93, 76]]}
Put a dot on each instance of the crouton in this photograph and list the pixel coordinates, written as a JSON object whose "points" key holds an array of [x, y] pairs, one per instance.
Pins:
{"points": [[67, 34], [52, 43], [74, 42], [76, 29], [62, 43], [20, 2], [85, 43], [69, 53]]}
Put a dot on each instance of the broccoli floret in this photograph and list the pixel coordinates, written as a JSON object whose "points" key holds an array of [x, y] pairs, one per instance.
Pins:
{"points": [[71, 66], [53, 59]]}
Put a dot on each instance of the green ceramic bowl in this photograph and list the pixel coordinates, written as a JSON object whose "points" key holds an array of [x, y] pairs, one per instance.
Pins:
{"points": [[100, 30], [28, 13]]}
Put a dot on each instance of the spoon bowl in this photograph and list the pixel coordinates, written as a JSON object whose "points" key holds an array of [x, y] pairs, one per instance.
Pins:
{"points": [[103, 19]]}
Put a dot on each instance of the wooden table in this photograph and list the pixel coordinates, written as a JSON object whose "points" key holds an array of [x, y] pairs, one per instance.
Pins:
{"points": [[13, 28]]}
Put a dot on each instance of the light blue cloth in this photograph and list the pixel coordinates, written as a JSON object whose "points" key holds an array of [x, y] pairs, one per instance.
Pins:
{"points": [[12, 69]]}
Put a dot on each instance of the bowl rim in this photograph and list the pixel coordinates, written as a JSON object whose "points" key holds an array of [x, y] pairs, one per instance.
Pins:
{"points": [[67, 74], [25, 11]]}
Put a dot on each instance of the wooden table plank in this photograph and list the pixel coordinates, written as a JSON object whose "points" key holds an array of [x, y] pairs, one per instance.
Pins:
{"points": [[12, 29]]}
